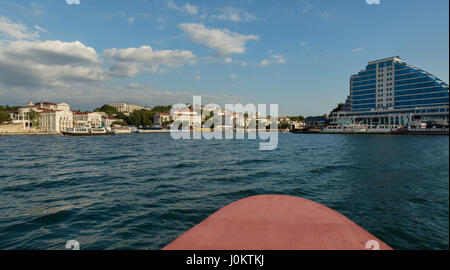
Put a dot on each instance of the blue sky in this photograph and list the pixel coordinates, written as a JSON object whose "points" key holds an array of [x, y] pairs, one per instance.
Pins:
{"points": [[298, 54]]}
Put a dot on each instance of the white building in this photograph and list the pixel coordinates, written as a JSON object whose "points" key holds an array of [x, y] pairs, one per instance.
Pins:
{"points": [[108, 121], [83, 119], [161, 118], [186, 115], [55, 121], [52, 117], [21, 117], [127, 108]]}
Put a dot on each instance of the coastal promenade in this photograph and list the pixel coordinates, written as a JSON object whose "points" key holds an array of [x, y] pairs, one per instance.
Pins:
{"points": [[28, 133], [443, 131]]}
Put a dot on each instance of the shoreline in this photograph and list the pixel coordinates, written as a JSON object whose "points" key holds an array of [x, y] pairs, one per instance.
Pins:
{"points": [[432, 133]]}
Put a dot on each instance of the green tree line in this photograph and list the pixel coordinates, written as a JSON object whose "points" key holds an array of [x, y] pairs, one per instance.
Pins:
{"points": [[4, 115], [136, 118]]}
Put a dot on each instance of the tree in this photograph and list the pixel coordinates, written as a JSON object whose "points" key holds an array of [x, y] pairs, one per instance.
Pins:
{"points": [[162, 109], [109, 110], [121, 115], [300, 118], [141, 118], [338, 108], [120, 123], [34, 118], [284, 126], [4, 116]]}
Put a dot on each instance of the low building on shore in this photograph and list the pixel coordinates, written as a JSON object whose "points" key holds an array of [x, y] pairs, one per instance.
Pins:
{"points": [[107, 121], [126, 108], [83, 119], [316, 122], [296, 124], [161, 118], [188, 116]]}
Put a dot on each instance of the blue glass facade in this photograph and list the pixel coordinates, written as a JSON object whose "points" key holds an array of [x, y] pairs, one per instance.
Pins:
{"points": [[363, 89], [416, 88], [393, 83]]}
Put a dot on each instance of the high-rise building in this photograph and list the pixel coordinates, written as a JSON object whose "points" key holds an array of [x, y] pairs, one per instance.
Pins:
{"points": [[389, 92]]}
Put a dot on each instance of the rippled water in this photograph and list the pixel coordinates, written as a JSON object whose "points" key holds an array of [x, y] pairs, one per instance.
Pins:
{"points": [[141, 191]]}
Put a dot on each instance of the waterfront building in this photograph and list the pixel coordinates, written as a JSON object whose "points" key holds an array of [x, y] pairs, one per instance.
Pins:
{"points": [[316, 122], [296, 124], [283, 120], [161, 118], [126, 108], [22, 117], [391, 93], [83, 119], [108, 121], [55, 120], [186, 115], [292, 124], [49, 120]]}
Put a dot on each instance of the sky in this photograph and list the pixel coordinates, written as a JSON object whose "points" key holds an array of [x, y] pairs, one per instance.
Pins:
{"points": [[298, 54]]}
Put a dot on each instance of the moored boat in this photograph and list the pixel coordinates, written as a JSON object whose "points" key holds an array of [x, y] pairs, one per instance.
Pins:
{"points": [[87, 131]]}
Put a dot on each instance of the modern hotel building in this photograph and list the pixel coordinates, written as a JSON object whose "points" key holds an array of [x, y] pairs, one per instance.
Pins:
{"points": [[391, 93]]}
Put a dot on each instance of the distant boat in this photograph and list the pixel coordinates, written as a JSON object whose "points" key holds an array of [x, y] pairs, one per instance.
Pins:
{"points": [[357, 128], [87, 131], [156, 129]]}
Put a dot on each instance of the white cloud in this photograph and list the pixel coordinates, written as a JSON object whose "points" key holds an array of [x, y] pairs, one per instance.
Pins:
{"points": [[51, 52], [303, 43], [37, 27], [222, 41], [306, 6], [73, 2], [131, 20], [228, 60], [233, 76], [244, 64], [274, 59], [73, 72], [198, 77], [133, 61], [191, 9], [358, 50], [187, 8], [263, 63], [57, 63], [49, 63], [234, 15], [12, 30], [371, 2]]}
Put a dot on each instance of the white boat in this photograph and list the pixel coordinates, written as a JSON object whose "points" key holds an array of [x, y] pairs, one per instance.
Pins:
{"points": [[355, 129], [88, 131]]}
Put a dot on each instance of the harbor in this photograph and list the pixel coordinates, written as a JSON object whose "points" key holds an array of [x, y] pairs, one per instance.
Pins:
{"points": [[376, 131], [133, 191]]}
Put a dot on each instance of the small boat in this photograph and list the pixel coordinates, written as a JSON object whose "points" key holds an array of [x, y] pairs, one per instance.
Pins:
{"points": [[355, 129], [88, 131]]}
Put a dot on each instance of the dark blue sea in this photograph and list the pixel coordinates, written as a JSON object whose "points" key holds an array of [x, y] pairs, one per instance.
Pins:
{"points": [[141, 191]]}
